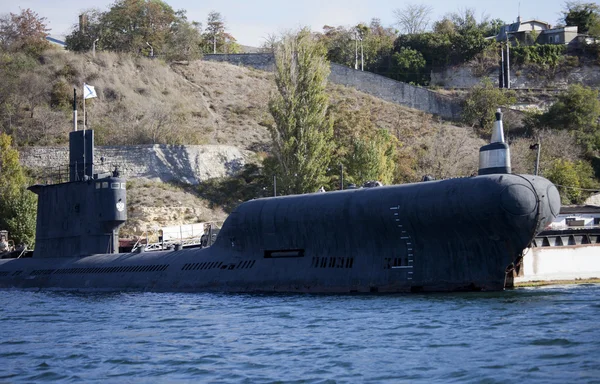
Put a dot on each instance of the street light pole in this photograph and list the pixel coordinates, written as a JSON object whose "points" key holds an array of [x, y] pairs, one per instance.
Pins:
{"points": [[537, 158], [538, 147]]}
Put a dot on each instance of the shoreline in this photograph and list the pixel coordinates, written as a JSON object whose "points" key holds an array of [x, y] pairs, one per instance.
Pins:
{"points": [[541, 283]]}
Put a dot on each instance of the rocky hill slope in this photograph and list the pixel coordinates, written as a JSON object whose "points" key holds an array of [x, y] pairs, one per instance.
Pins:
{"points": [[142, 101]]}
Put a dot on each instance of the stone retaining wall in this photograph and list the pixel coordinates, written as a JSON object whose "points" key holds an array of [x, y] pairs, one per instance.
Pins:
{"points": [[367, 82], [182, 163], [464, 77]]}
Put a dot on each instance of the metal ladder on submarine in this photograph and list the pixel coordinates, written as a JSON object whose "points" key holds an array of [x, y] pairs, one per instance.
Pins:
{"points": [[447, 235]]}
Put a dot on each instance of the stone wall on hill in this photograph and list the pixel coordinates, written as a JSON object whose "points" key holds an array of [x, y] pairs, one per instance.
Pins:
{"points": [[465, 76], [367, 82], [182, 163]]}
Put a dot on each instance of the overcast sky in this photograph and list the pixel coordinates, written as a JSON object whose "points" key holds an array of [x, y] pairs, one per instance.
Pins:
{"points": [[250, 22]]}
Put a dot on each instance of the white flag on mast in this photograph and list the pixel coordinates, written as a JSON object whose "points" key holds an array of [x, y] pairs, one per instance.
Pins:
{"points": [[88, 91]]}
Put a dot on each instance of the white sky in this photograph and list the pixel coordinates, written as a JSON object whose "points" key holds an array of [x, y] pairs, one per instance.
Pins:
{"points": [[250, 22]]}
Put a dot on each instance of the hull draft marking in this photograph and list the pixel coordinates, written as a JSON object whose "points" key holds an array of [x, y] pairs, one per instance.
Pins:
{"points": [[407, 239]]}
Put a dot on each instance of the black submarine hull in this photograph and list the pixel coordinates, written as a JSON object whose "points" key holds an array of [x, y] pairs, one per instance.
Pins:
{"points": [[450, 235]]}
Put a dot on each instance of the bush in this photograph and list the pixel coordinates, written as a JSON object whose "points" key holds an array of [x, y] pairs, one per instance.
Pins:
{"points": [[481, 103], [572, 178], [545, 55]]}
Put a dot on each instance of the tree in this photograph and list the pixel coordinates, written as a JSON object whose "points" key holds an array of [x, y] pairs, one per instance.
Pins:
{"points": [[586, 16], [376, 45], [215, 28], [576, 109], [372, 158], [185, 41], [82, 40], [302, 135], [413, 18], [481, 103], [339, 42], [408, 66], [23, 32], [572, 178], [130, 25], [215, 37], [17, 205]]}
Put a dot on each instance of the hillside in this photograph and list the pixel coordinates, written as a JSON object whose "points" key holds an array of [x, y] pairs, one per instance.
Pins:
{"points": [[143, 101]]}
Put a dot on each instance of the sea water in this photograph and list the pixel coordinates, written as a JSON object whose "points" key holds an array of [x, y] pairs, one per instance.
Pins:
{"points": [[544, 334]]}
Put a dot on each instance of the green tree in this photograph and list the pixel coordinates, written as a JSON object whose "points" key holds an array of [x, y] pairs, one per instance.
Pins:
{"points": [[130, 24], [481, 103], [372, 157], [408, 66], [365, 151], [215, 37], [17, 205], [215, 30], [586, 16], [23, 32], [185, 40], [15, 70], [340, 45], [374, 45], [572, 179], [576, 109], [82, 40], [302, 135]]}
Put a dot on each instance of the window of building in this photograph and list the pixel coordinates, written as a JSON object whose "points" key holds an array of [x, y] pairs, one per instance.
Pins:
{"points": [[596, 220]]}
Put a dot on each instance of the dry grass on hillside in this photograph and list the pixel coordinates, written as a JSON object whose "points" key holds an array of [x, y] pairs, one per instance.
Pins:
{"points": [[236, 99], [154, 205], [147, 101]]}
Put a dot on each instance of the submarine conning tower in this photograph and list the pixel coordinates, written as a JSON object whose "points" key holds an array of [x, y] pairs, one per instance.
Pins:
{"points": [[495, 157], [82, 216]]}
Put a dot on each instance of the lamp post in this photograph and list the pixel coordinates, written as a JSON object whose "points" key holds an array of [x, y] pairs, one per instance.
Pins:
{"points": [[341, 177], [537, 146], [94, 47]]}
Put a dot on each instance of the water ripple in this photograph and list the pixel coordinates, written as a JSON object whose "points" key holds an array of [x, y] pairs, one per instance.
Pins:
{"points": [[545, 334]]}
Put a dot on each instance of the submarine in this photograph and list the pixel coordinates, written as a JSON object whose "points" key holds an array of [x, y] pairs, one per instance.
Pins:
{"points": [[463, 234]]}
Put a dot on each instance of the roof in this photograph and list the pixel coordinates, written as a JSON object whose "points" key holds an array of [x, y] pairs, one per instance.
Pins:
{"points": [[518, 27], [56, 41], [573, 209]]}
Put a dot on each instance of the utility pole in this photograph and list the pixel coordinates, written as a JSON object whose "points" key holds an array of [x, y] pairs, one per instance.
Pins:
{"points": [[355, 50], [507, 73], [501, 71], [362, 56]]}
